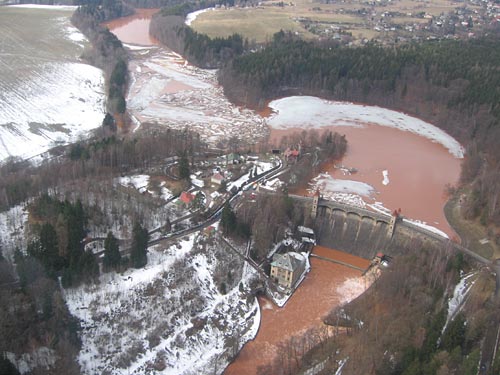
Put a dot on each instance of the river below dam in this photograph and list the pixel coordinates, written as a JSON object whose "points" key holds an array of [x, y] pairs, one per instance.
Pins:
{"points": [[397, 167]]}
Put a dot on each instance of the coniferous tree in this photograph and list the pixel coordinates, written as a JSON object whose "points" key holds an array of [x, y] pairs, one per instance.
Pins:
{"points": [[138, 255], [184, 171], [46, 250], [7, 368], [228, 219], [112, 255]]}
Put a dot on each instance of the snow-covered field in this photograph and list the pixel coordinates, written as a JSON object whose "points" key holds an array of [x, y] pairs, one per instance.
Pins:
{"points": [[47, 95], [311, 112], [166, 90], [169, 318]]}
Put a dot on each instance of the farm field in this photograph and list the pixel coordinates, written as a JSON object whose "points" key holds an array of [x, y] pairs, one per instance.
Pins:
{"points": [[47, 94]]}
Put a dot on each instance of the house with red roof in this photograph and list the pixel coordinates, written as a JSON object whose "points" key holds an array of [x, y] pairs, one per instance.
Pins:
{"points": [[186, 198]]}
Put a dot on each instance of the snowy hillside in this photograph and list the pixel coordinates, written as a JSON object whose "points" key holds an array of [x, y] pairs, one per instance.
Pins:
{"points": [[171, 317]]}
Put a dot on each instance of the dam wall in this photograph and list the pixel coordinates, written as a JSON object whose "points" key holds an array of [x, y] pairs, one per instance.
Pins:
{"points": [[365, 235]]}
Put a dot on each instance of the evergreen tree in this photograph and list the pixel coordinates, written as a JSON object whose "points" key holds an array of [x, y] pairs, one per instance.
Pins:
{"points": [[140, 238], [455, 334], [46, 250], [112, 255], [75, 217], [109, 123], [228, 219], [184, 171], [7, 368]]}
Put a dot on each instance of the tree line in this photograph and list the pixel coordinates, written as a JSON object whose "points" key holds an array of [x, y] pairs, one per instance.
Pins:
{"points": [[107, 51], [99, 156], [169, 28]]}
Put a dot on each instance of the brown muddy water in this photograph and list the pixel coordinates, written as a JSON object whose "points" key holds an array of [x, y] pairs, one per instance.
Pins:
{"points": [[419, 170], [134, 29], [327, 286]]}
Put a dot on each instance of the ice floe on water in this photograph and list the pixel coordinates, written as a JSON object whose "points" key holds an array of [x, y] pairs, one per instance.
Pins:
{"points": [[313, 112], [165, 90], [385, 175], [328, 185]]}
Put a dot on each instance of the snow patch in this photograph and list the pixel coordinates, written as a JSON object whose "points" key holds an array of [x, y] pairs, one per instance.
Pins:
{"points": [[192, 16], [169, 315], [12, 236], [139, 182], [40, 357], [460, 292], [426, 226]]}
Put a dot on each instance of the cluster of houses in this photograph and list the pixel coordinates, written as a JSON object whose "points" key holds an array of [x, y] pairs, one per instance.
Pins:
{"points": [[209, 182]]}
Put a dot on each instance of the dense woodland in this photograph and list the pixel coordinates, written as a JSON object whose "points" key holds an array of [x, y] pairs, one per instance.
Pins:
{"points": [[169, 28], [450, 83]]}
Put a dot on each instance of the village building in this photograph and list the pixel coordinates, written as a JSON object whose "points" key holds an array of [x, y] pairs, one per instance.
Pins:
{"points": [[186, 198], [233, 158], [286, 269], [291, 156], [209, 231], [217, 179]]}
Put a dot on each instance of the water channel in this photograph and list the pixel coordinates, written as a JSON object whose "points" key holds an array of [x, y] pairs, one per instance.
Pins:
{"points": [[418, 171]]}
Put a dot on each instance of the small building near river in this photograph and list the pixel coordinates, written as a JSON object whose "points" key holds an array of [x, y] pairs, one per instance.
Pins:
{"points": [[286, 269]]}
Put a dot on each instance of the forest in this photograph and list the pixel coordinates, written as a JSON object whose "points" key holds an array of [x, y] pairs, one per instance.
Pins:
{"points": [[168, 27], [450, 83]]}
